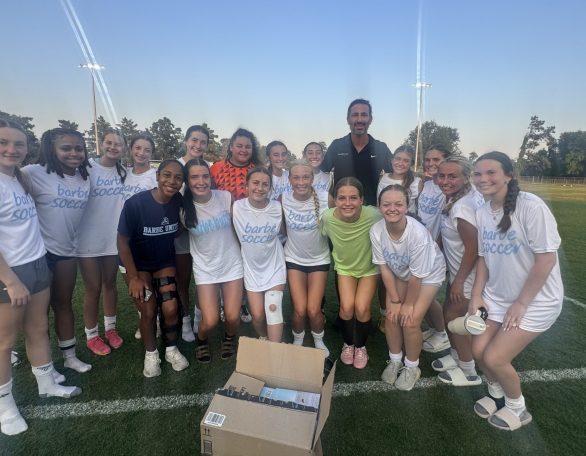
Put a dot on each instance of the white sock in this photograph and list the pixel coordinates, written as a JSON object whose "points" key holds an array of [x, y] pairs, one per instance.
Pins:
{"points": [[396, 357], [468, 367], [48, 387], [170, 348], [155, 352], [298, 337], [11, 421], [495, 390], [441, 333], [197, 314], [454, 354], [70, 360], [516, 405], [109, 323], [318, 342], [409, 363], [91, 333], [186, 322]]}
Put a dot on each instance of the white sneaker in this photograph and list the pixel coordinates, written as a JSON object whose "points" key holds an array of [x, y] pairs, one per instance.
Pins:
{"points": [[408, 376], [391, 372], [152, 363], [177, 360]]}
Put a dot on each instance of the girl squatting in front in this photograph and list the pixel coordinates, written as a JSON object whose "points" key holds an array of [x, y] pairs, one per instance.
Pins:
{"points": [[518, 281], [146, 232], [257, 221], [413, 270], [25, 282], [460, 245]]}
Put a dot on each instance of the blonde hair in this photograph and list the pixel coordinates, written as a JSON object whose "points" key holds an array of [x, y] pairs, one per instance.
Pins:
{"points": [[305, 163]]}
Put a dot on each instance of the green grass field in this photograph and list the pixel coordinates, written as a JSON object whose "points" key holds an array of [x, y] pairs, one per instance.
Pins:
{"points": [[121, 412]]}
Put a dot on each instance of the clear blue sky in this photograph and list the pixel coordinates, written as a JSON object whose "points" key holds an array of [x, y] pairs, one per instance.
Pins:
{"points": [[288, 70]]}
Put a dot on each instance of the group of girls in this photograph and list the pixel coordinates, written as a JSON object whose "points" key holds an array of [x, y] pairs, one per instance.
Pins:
{"points": [[500, 254], [500, 247]]}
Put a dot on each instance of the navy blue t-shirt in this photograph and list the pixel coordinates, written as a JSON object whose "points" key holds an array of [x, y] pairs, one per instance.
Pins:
{"points": [[151, 228]]}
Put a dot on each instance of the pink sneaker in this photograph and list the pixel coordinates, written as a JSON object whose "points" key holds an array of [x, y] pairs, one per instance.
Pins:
{"points": [[98, 346], [114, 339], [347, 355], [360, 357]]}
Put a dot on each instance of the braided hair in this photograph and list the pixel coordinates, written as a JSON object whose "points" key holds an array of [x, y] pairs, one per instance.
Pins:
{"points": [[48, 156], [305, 163], [466, 169], [20, 177], [513, 188]]}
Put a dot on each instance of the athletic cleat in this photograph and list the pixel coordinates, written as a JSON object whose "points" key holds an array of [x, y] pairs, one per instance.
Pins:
{"points": [[245, 316], [152, 363], [177, 360], [114, 338], [391, 372], [407, 378], [98, 346], [347, 355], [12, 422], [360, 357]]}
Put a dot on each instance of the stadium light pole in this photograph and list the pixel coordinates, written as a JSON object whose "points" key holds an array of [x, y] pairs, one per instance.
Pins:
{"points": [[419, 86], [94, 67]]}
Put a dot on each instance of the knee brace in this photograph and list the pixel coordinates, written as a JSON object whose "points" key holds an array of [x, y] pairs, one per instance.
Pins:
{"points": [[161, 297], [274, 307]]}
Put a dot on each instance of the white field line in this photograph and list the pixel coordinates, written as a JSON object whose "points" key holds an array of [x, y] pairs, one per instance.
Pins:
{"points": [[575, 301], [93, 408]]}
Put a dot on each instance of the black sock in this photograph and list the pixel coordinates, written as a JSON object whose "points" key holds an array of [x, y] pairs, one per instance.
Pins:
{"points": [[362, 331], [201, 342], [348, 331]]}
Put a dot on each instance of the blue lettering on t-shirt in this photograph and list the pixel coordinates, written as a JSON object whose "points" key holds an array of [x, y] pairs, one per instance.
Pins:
{"points": [[108, 187], [259, 234], [26, 207], [210, 225], [496, 242], [396, 261], [301, 222], [429, 204]]}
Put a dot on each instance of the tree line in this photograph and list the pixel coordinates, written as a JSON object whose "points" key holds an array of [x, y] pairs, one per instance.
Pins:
{"points": [[540, 153]]}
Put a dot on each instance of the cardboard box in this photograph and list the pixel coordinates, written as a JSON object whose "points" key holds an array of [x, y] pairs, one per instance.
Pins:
{"points": [[236, 426]]}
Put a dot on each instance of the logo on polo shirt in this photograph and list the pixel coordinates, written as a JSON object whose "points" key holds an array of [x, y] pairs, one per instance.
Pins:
{"points": [[165, 221]]}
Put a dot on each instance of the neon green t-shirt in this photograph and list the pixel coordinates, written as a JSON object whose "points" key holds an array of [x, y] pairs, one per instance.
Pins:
{"points": [[352, 249]]}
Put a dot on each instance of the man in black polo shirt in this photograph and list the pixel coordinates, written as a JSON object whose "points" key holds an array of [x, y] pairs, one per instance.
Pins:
{"points": [[359, 154]]}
